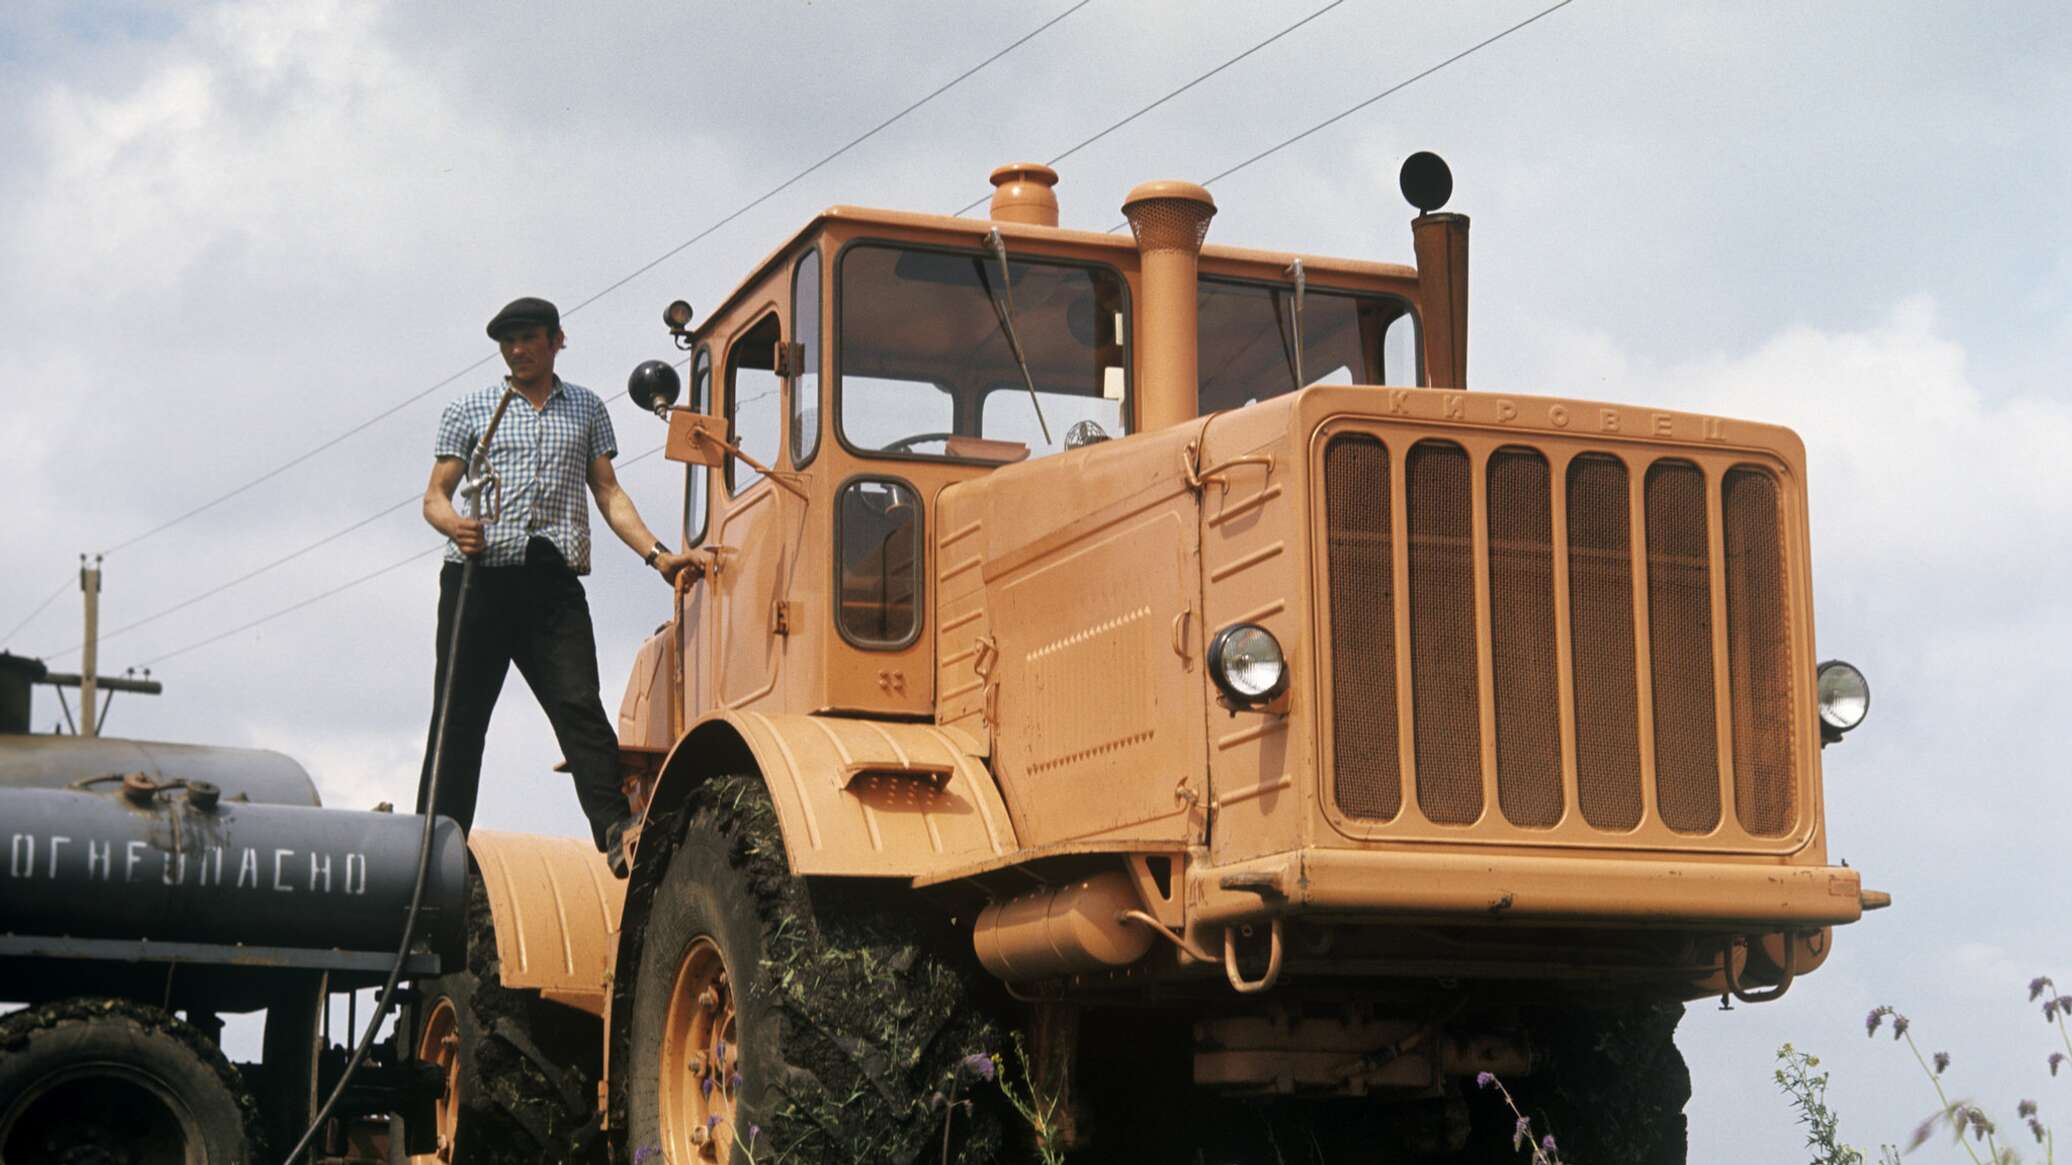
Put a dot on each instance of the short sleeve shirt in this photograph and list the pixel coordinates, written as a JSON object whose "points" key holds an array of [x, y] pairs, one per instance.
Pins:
{"points": [[541, 458]]}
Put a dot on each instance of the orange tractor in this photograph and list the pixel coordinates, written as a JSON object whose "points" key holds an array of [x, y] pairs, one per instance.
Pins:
{"points": [[1143, 668]]}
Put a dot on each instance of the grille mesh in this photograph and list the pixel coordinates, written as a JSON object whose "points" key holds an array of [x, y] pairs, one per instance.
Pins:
{"points": [[1521, 616], [1366, 753], [1680, 647], [1446, 700], [1758, 653], [1670, 557], [1600, 588]]}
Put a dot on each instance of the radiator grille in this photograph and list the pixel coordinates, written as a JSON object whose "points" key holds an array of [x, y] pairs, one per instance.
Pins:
{"points": [[1522, 650], [1645, 708], [1600, 601], [1365, 752], [1758, 654], [1445, 697]]}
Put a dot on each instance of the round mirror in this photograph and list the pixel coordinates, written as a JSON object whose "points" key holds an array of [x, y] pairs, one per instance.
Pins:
{"points": [[654, 386], [1426, 181]]}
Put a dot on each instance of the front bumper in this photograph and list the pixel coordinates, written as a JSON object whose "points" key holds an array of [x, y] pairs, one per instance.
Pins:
{"points": [[1373, 886]]}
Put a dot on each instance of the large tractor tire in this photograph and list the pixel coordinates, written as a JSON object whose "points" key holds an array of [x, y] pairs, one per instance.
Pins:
{"points": [[797, 1021], [101, 1081], [521, 1073], [1608, 1084]]}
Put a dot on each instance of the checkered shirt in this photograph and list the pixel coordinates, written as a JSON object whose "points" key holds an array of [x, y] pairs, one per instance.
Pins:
{"points": [[542, 457]]}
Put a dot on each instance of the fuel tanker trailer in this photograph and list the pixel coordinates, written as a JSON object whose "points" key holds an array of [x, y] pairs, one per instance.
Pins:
{"points": [[150, 889]]}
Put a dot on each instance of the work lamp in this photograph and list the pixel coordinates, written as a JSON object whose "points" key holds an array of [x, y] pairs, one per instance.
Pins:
{"points": [[1247, 664], [1844, 697]]}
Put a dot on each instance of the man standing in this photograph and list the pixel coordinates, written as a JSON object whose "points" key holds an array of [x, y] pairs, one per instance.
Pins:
{"points": [[526, 603]]}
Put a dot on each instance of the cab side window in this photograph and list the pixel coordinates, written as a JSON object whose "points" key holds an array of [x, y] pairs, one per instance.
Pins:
{"points": [[755, 400], [697, 480], [805, 379], [878, 564]]}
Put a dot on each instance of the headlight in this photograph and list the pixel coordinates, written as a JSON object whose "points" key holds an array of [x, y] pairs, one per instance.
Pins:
{"points": [[1845, 696], [1246, 662]]}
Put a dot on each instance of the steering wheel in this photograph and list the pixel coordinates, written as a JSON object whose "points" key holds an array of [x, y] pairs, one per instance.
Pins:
{"points": [[906, 444]]}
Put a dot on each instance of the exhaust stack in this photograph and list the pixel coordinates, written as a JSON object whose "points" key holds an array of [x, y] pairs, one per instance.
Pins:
{"points": [[1024, 192], [1169, 220]]}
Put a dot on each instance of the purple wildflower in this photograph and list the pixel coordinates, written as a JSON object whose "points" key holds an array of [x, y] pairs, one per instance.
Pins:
{"points": [[711, 1122], [2056, 1058], [1942, 1061], [643, 1154], [1548, 1146], [1485, 1079], [1899, 1025], [977, 1064], [754, 1131], [1521, 1133], [2037, 1130], [2050, 1009], [1981, 1128], [734, 1081], [2025, 1109], [705, 1085], [2038, 986], [1872, 1021]]}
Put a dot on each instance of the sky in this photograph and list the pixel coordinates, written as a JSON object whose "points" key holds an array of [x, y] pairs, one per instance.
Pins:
{"points": [[231, 232]]}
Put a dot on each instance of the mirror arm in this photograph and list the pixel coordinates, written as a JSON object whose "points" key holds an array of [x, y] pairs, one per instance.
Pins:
{"points": [[787, 480]]}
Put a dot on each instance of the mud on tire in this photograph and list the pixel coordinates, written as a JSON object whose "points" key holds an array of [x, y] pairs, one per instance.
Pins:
{"points": [[108, 1079], [1610, 1085], [523, 1071], [833, 1018]]}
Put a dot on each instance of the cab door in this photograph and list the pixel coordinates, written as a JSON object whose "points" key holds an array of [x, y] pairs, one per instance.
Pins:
{"points": [[753, 548]]}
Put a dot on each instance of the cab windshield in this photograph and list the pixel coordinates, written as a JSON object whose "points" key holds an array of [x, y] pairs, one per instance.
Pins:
{"points": [[926, 370], [1247, 349]]}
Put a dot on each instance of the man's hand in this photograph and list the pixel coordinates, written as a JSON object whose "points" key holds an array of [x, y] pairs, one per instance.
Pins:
{"points": [[669, 565], [467, 534]]}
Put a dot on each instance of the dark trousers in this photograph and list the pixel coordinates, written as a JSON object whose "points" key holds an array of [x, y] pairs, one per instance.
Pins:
{"points": [[537, 617]]}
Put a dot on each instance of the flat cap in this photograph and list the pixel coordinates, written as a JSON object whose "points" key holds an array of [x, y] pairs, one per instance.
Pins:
{"points": [[524, 312]]}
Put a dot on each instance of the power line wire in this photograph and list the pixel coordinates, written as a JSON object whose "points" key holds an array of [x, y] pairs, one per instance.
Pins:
{"points": [[245, 577], [1174, 93], [31, 616], [341, 588], [286, 558], [1399, 86], [635, 274], [1255, 158]]}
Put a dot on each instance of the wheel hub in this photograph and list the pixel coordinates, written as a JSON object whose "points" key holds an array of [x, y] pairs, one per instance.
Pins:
{"points": [[700, 1077], [439, 1046]]}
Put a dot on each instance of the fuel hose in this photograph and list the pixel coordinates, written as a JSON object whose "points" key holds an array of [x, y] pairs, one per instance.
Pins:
{"points": [[481, 478]]}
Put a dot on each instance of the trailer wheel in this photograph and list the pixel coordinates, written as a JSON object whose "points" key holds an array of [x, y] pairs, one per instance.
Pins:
{"points": [[520, 1072], [108, 1080], [795, 1020]]}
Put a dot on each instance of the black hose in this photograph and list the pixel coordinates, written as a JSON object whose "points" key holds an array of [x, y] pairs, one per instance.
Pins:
{"points": [[431, 821]]}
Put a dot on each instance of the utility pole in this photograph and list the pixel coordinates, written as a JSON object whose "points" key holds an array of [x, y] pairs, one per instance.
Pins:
{"points": [[90, 586]]}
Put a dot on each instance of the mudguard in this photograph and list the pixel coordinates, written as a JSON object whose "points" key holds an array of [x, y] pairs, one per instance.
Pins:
{"points": [[556, 909], [856, 798]]}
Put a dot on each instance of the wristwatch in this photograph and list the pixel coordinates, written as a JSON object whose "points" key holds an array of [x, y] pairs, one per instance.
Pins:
{"points": [[656, 552]]}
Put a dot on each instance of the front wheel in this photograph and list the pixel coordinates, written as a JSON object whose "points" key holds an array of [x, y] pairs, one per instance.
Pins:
{"points": [[773, 1019]]}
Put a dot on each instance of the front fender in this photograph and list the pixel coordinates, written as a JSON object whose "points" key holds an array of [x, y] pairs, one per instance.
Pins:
{"points": [[856, 798]]}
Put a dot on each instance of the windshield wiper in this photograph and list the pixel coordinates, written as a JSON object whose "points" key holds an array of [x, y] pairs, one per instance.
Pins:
{"points": [[1292, 351], [1003, 307]]}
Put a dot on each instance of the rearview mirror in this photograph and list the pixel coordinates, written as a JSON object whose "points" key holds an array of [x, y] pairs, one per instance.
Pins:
{"points": [[654, 386]]}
